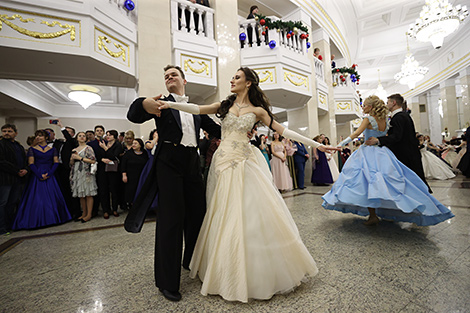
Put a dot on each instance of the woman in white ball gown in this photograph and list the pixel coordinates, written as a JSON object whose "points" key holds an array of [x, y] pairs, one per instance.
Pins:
{"points": [[249, 245]]}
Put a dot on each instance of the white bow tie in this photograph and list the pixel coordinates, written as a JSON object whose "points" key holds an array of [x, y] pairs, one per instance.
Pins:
{"points": [[179, 98]]}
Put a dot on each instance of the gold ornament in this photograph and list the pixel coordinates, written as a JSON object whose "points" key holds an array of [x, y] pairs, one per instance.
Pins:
{"points": [[278, 30], [296, 29], [256, 18], [335, 84]]}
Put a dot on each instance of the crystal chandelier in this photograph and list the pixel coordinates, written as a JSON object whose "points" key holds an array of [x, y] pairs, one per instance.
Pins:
{"points": [[410, 72], [380, 91], [437, 19]]}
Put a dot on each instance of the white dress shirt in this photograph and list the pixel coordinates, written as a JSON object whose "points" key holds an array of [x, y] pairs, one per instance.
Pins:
{"points": [[187, 124], [396, 111]]}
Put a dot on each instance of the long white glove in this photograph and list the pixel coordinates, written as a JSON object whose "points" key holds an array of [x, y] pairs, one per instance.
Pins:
{"points": [[185, 107], [298, 137], [345, 141]]}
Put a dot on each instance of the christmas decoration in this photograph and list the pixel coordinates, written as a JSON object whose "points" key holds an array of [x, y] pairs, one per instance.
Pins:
{"points": [[279, 24], [352, 71], [272, 44], [242, 36], [308, 45], [263, 33], [288, 36], [129, 5]]}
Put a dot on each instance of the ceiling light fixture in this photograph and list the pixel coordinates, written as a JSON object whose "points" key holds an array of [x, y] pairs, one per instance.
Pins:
{"points": [[84, 97], [380, 91], [437, 19], [411, 72]]}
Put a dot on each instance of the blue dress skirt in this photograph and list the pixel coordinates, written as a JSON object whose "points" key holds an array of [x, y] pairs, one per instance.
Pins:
{"points": [[373, 177], [42, 203]]}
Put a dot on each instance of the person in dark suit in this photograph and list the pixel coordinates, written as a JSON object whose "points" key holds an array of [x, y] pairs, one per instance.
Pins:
{"points": [[100, 172], [176, 175], [300, 158], [464, 164], [13, 169], [63, 171], [401, 137]]}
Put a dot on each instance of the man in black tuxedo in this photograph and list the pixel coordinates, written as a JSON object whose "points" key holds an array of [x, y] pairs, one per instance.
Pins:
{"points": [[401, 137], [176, 174]]}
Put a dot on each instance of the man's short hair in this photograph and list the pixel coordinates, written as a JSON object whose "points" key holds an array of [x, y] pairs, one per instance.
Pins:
{"points": [[49, 130], [99, 126], [12, 126], [89, 131], [169, 66], [397, 97]]}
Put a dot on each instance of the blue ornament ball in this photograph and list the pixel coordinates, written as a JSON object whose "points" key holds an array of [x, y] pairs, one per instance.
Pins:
{"points": [[353, 76], [242, 36], [308, 45], [353, 80], [129, 5], [272, 44]]}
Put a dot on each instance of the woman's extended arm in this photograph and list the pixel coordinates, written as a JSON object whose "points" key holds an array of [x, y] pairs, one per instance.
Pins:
{"points": [[263, 115], [189, 107], [359, 130]]}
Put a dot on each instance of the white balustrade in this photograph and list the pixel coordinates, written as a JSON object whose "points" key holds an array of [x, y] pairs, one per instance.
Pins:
{"points": [[195, 19], [255, 38], [319, 69]]}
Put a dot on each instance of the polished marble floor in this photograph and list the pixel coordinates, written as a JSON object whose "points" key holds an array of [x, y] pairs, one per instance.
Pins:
{"points": [[393, 267]]}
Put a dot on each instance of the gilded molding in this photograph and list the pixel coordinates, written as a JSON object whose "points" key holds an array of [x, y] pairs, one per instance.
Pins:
{"points": [[322, 100], [197, 71], [101, 46], [4, 18], [268, 73], [303, 79], [343, 106]]}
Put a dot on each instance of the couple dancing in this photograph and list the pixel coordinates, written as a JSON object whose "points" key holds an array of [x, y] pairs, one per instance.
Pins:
{"points": [[385, 178], [245, 246]]}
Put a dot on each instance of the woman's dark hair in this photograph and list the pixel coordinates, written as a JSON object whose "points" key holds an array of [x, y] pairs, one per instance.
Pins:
{"points": [[253, 7], [255, 95], [141, 143], [152, 133], [42, 132], [324, 141], [114, 133]]}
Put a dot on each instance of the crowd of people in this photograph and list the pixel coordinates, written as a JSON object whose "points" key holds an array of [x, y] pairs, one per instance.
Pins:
{"points": [[58, 180]]}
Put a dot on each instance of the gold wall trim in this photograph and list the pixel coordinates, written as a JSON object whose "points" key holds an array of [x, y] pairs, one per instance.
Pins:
{"points": [[303, 79], [265, 74], [343, 106], [322, 100], [187, 60], [101, 41], [8, 20]]}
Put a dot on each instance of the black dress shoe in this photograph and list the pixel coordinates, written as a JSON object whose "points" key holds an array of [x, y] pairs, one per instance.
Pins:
{"points": [[186, 267], [171, 295]]}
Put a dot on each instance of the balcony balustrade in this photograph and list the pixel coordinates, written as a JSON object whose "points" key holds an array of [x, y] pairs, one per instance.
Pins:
{"points": [[282, 63], [346, 98], [194, 46]]}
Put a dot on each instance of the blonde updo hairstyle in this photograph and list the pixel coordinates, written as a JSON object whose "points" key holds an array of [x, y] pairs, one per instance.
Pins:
{"points": [[379, 109]]}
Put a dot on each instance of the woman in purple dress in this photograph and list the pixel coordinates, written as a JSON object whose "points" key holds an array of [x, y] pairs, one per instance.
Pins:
{"points": [[321, 175], [42, 203]]}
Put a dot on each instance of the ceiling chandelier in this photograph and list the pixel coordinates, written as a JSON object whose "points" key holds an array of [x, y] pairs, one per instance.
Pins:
{"points": [[380, 91], [437, 19], [84, 97], [410, 72]]}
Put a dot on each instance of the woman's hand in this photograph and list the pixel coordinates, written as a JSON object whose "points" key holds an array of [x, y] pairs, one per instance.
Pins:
{"points": [[103, 145], [124, 177], [75, 156], [106, 161]]}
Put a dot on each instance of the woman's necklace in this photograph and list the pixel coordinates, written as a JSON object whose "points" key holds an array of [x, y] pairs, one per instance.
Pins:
{"points": [[241, 106], [42, 147]]}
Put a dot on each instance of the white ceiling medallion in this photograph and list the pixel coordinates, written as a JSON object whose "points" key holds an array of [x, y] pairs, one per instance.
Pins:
{"points": [[437, 19]]}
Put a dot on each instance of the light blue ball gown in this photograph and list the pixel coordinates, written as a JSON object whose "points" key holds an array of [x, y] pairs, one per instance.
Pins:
{"points": [[373, 177]]}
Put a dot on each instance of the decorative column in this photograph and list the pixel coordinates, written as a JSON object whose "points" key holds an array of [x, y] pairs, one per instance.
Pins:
{"points": [[464, 109], [450, 118], [226, 34], [414, 107], [154, 51], [327, 122], [434, 108]]}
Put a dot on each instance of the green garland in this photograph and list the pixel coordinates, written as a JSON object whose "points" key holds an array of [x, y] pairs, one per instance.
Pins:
{"points": [[289, 25], [343, 70]]}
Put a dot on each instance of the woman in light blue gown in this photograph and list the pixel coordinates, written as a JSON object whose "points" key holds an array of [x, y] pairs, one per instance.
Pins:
{"points": [[373, 182]]}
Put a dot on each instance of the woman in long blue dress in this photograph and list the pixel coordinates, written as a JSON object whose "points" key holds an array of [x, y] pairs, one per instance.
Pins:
{"points": [[42, 203], [373, 182], [321, 174]]}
